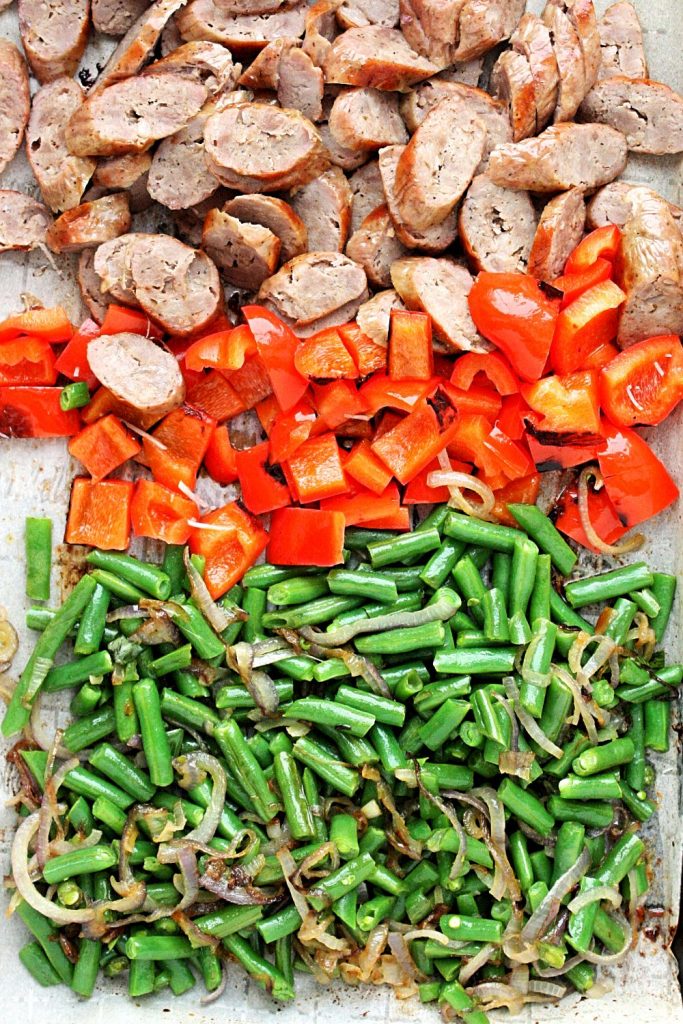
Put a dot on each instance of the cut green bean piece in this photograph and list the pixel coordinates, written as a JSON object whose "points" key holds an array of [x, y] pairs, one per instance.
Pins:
{"points": [[38, 551], [37, 964], [608, 585], [546, 536], [150, 578]]}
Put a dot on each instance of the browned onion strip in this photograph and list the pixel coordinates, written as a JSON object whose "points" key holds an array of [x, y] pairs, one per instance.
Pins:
{"points": [[632, 544], [456, 483], [443, 608], [550, 906], [504, 878], [529, 723]]}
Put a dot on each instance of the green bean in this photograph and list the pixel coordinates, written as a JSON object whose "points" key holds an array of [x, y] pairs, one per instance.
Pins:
{"points": [[347, 877], [455, 996], [312, 614], [38, 553], [187, 712], [264, 576], [197, 630], [521, 862], [637, 804], [546, 536], [109, 814], [592, 814], [85, 732], [373, 586], [657, 725], [594, 787], [398, 641], [228, 920], [254, 603], [539, 602], [443, 723], [181, 978], [315, 757], [87, 967], [556, 708], [357, 539], [78, 862], [646, 601], [450, 776], [150, 578], [667, 677], [154, 739], [460, 928], [602, 758], [283, 922], [522, 574], [634, 772], [127, 724], [48, 938], [297, 811], [158, 947], [174, 660], [664, 589], [300, 589], [246, 768], [560, 767], [326, 712], [93, 622], [470, 585], [385, 711], [623, 856], [236, 695], [344, 835], [441, 564], [495, 616], [263, 972], [403, 547], [37, 964], [621, 619], [609, 931], [525, 806], [84, 702], [479, 533], [608, 585], [123, 772], [498, 661], [564, 615]]}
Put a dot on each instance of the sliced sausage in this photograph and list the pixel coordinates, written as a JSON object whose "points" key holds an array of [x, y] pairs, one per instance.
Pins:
{"points": [[468, 73], [496, 226], [129, 116], [324, 205], [437, 165], [513, 82], [138, 372], [569, 56], [90, 285], [484, 24], [613, 204], [316, 287], [650, 270], [376, 57], [250, 6], [649, 114], [340, 156], [90, 224], [246, 254], [24, 222], [119, 172], [582, 15], [374, 316], [562, 157], [175, 285], [201, 19], [15, 101], [432, 27], [111, 263], [367, 119], [115, 17], [61, 176], [440, 288], [190, 223], [375, 246], [276, 215], [357, 13], [367, 192], [532, 39], [255, 147], [621, 42], [321, 29], [208, 63], [179, 176], [263, 72], [559, 231], [137, 46], [300, 84], [54, 34], [435, 239]]}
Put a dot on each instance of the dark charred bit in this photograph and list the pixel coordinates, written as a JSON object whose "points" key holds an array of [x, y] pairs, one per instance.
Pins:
{"points": [[276, 473], [14, 422], [549, 466], [549, 438], [443, 408], [87, 77], [550, 290]]}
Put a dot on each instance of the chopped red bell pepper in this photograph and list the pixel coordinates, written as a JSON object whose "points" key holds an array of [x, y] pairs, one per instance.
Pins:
{"points": [[324, 356], [522, 491], [573, 285], [513, 312], [418, 491], [381, 392], [500, 454], [35, 412], [400, 520], [418, 438], [600, 356], [160, 513], [366, 354], [601, 513], [215, 396], [603, 243], [306, 536], [27, 360], [637, 483], [267, 411], [644, 383], [316, 469], [230, 540], [103, 446], [175, 451], [511, 416], [364, 466], [251, 382], [51, 325], [338, 402], [475, 401], [467, 441], [411, 354], [103, 402], [363, 506], [567, 405], [226, 350], [99, 513], [72, 361], [122, 320], [492, 365], [263, 486], [219, 459], [551, 452], [590, 321], [290, 429], [277, 346]]}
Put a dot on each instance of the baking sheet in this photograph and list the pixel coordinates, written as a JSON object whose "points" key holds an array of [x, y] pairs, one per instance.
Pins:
{"points": [[34, 480]]}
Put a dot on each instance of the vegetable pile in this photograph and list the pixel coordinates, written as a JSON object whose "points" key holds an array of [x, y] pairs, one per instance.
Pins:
{"points": [[424, 768]]}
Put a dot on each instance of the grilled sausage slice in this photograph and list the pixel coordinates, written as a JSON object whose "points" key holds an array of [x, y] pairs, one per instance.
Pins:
{"points": [[54, 34], [374, 316], [24, 222], [613, 204], [15, 101], [255, 147], [367, 192], [300, 84], [111, 263], [437, 165], [375, 247], [90, 285], [648, 113], [484, 24], [532, 39], [570, 65], [263, 72], [513, 82], [205, 62], [496, 226], [581, 14], [347, 159], [562, 157], [319, 287], [246, 254], [357, 13], [367, 119], [201, 19], [559, 231], [435, 239], [90, 224], [276, 215], [324, 205], [61, 176], [179, 176], [473, 102], [432, 27], [621, 42], [249, 6], [175, 285], [137, 46], [115, 17], [321, 29], [129, 116], [138, 372], [440, 288], [650, 270], [131, 172], [376, 57]]}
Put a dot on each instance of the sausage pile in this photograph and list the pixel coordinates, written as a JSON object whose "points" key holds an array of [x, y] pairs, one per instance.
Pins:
{"points": [[339, 159]]}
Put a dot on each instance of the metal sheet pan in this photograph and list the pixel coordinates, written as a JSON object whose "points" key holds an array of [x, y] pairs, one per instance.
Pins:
{"points": [[34, 480]]}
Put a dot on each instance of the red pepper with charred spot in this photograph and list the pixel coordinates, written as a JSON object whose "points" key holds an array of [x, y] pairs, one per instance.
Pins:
{"points": [[589, 322], [411, 354], [277, 346], [551, 452], [601, 513], [263, 485], [573, 285], [251, 382], [644, 383], [566, 405], [35, 412], [637, 483], [500, 454], [225, 350], [412, 444], [522, 491], [475, 401]]}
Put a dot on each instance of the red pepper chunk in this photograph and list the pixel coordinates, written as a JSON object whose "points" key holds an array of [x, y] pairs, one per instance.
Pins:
{"points": [[230, 540], [225, 350], [411, 355], [523, 491], [122, 320], [588, 323], [603, 243], [399, 520], [251, 382], [364, 466], [568, 404], [573, 285], [644, 383], [27, 360], [306, 536], [491, 365], [412, 444], [52, 325], [103, 446], [500, 454], [562, 451], [381, 392], [418, 491], [160, 513], [366, 354], [324, 356], [72, 361], [175, 452], [263, 486], [337, 402], [601, 513], [35, 412], [277, 346], [289, 430], [364, 506], [220, 457], [213, 395], [637, 483], [316, 469], [513, 312], [475, 401], [99, 513]]}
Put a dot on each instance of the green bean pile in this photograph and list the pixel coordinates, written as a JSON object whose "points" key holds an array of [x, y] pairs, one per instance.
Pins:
{"points": [[425, 769]]}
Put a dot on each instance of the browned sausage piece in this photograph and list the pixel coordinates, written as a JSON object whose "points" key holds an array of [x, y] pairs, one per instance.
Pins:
{"points": [[582, 15], [367, 192], [249, 6], [119, 172], [468, 73], [496, 226], [300, 84], [129, 116], [367, 119], [177, 286], [532, 38], [263, 71], [375, 246], [484, 24], [208, 63], [190, 223], [90, 224], [374, 316], [474, 103], [24, 222], [440, 288], [650, 270], [513, 82], [435, 239], [111, 263], [347, 159], [115, 17], [357, 13], [15, 101], [90, 285], [621, 42], [438, 164], [376, 57], [569, 56], [563, 156], [324, 205], [201, 19], [315, 287], [320, 29], [276, 215], [137, 46], [138, 372], [255, 147], [61, 176], [649, 114], [613, 204], [54, 34], [246, 254], [432, 27], [559, 231]]}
